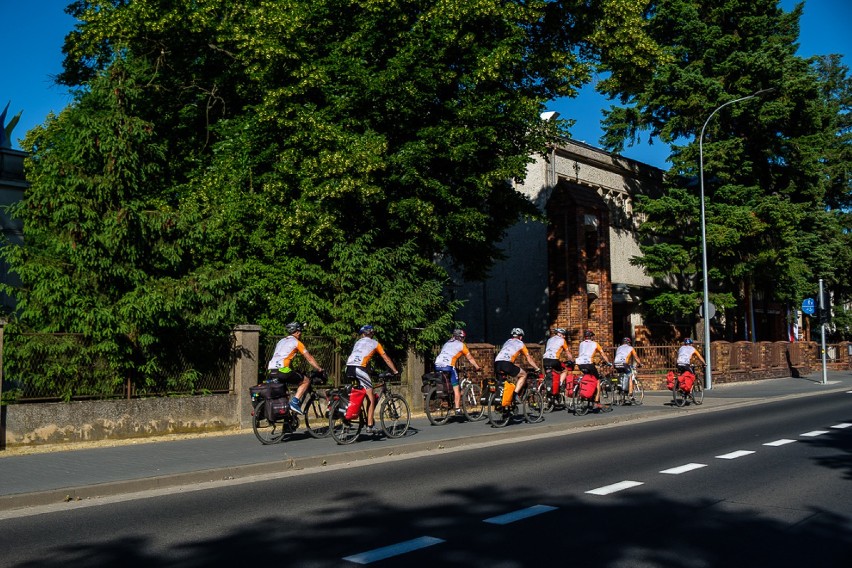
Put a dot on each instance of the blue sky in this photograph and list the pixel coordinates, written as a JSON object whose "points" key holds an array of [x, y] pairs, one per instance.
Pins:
{"points": [[33, 32]]}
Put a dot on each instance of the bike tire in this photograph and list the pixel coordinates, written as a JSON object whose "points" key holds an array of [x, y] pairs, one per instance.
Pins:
{"points": [[581, 405], [533, 407], [678, 395], [437, 408], [316, 417], [472, 405], [498, 414], [344, 431], [638, 393], [606, 399], [697, 394], [549, 400], [266, 432], [395, 416]]}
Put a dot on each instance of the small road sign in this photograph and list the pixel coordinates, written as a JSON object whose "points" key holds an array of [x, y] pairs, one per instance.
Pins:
{"points": [[808, 306]]}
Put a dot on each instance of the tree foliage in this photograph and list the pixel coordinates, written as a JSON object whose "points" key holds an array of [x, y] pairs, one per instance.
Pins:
{"points": [[776, 166], [266, 161]]}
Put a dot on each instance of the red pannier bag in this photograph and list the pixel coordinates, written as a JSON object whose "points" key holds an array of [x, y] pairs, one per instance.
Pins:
{"points": [[356, 397], [670, 380], [588, 386], [554, 377], [686, 381], [570, 381]]}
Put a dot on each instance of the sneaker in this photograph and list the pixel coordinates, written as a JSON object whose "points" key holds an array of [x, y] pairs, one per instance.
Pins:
{"points": [[296, 406], [458, 411], [371, 430]]}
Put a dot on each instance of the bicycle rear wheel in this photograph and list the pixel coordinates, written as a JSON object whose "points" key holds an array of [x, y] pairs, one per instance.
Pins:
{"points": [[697, 394], [472, 403], [395, 416], [678, 394], [498, 414], [316, 416], [344, 431], [264, 430], [581, 405], [534, 406], [437, 407]]}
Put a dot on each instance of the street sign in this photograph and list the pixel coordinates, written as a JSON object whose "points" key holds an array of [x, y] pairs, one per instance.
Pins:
{"points": [[711, 307], [808, 306]]}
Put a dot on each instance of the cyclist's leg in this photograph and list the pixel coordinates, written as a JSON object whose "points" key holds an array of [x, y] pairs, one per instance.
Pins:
{"points": [[520, 380]]}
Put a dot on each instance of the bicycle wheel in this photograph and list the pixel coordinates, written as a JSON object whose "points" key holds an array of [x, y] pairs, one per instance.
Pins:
{"points": [[638, 393], [265, 431], [697, 394], [533, 407], [678, 394], [472, 403], [344, 431], [581, 405], [316, 416], [607, 394], [395, 416], [548, 399], [498, 414], [437, 407]]}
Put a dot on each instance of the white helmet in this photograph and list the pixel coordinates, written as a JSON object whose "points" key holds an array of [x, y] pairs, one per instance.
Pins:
{"points": [[517, 332]]}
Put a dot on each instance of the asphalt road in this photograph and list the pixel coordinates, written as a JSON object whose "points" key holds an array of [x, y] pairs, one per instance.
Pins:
{"points": [[758, 485]]}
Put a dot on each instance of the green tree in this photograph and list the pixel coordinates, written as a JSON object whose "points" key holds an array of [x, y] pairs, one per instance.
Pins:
{"points": [[768, 161]]}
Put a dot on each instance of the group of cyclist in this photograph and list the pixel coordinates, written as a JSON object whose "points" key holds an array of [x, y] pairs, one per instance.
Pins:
{"points": [[557, 356]]}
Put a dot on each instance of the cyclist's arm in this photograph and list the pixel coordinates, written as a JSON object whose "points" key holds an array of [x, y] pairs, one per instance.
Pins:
{"points": [[473, 361], [700, 358], [603, 355], [389, 363], [310, 359], [530, 360], [636, 357]]}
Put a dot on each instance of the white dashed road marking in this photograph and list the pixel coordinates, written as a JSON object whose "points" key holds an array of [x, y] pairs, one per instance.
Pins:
{"points": [[735, 455], [842, 425], [683, 468], [621, 485], [393, 550], [781, 442], [814, 433], [518, 515]]}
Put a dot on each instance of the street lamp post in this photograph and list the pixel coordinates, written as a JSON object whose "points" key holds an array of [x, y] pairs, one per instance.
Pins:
{"points": [[708, 373]]}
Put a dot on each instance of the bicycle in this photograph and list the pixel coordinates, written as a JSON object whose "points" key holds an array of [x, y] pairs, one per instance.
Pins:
{"points": [[394, 412], [682, 392], [545, 387], [272, 417], [439, 398], [626, 376], [531, 403], [583, 395]]}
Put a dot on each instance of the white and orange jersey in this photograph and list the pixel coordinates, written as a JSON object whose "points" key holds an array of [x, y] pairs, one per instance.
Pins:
{"points": [[511, 349], [285, 350], [586, 353], [684, 354], [450, 353], [554, 346], [622, 354], [363, 351]]}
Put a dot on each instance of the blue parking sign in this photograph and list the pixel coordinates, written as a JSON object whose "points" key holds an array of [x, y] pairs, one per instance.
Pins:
{"points": [[808, 306]]}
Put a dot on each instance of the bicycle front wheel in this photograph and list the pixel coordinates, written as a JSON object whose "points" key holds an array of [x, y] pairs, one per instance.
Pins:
{"points": [[343, 431], [638, 393], [437, 407], [264, 430], [316, 417], [534, 407], [472, 403], [395, 416], [498, 414], [697, 394]]}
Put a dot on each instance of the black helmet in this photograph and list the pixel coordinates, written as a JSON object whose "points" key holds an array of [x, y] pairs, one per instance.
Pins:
{"points": [[687, 341], [589, 333], [293, 327]]}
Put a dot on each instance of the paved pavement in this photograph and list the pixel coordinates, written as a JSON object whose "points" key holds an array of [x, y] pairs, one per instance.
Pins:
{"points": [[57, 476]]}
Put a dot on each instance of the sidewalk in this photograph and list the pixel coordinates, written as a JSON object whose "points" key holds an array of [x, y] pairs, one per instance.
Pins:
{"points": [[53, 477]]}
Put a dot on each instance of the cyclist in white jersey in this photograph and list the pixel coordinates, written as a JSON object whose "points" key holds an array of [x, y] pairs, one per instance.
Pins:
{"points": [[279, 366], [685, 355], [356, 368], [585, 361], [505, 359], [446, 362], [625, 361], [555, 346]]}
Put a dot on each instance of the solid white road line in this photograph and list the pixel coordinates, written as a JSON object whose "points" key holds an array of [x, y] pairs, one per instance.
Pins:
{"points": [[683, 468], [780, 442], [393, 550], [621, 485], [518, 515], [814, 433], [735, 455], [842, 425]]}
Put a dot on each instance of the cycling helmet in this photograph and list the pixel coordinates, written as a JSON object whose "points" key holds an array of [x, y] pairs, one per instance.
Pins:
{"points": [[560, 330], [459, 334], [687, 341], [517, 332], [293, 327], [589, 333], [366, 329], [627, 341]]}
